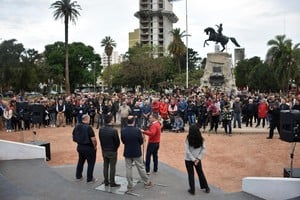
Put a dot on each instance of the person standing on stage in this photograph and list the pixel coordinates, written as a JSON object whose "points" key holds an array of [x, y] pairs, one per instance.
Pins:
{"points": [[86, 141], [153, 132], [110, 142], [194, 151], [132, 139]]}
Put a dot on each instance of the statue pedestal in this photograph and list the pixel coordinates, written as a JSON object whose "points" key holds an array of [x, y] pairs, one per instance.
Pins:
{"points": [[218, 73]]}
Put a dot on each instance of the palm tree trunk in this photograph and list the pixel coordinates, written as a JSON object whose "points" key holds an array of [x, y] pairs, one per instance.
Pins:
{"points": [[178, 65], [67, 81], [109, 74]]}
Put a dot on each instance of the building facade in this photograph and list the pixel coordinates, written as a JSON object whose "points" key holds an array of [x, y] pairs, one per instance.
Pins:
{"points": [[156, 20], [134, 37]]}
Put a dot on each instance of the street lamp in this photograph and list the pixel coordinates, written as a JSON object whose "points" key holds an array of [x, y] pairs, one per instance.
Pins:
{"points": [[187, 46], [186, 41], [94, 78]]}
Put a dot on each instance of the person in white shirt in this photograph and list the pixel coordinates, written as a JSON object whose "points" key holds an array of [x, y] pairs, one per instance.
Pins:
{"points": [[194, 151]]}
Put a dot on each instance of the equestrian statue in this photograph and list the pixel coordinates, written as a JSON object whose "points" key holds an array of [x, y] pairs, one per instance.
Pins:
{"points": [[218, 37]]}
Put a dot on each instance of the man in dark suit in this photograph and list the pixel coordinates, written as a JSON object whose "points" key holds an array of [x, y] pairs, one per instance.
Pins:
{"points": [[110, 142], [132, 139]]}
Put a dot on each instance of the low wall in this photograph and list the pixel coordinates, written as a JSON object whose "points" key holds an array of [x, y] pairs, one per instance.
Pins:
{"points": [[15, 150], [272, 188]]}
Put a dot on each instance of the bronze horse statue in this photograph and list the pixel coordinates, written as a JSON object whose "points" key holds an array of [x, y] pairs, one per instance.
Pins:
{"points": [[214, 36]]}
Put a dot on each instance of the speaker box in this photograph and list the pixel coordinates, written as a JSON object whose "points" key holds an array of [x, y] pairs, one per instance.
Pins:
{"points": [[37, 111], [43, 144], [293, 174], [290, 125]]}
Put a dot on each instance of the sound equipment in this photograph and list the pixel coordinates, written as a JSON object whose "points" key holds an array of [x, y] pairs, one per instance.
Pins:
{"points": [[290, 125], [43, 144], [37, 111], [291, 172]]}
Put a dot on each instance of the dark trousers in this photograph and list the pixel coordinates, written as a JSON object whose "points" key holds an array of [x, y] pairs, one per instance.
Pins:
{"points": [[190, 170], [273, 125], [152, 150], [248, 119], [86, 153], [124, 122], [214, 122], [109, 164], [263, 122], [227, 126]]}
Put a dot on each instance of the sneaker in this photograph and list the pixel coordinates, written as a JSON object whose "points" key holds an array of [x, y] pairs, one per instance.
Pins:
{"points": [[148, 173], [149, 185], [94, 180]]}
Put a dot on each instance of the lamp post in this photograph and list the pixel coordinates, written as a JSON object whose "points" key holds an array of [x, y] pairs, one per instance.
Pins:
{"points": [[94, 78], [186, 41], [187, 46]]}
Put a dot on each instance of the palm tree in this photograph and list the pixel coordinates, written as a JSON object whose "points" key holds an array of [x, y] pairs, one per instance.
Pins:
{"points": [[108, 43], [281, 57], [67, 10], [177, 47]]}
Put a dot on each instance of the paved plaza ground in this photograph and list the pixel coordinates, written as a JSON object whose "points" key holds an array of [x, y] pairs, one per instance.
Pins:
{"points": [[227, 161]]}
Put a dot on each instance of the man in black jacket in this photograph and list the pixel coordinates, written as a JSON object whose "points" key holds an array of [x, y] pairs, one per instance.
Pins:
{"points": [[110, 142], [132, 139], [84, 136]]}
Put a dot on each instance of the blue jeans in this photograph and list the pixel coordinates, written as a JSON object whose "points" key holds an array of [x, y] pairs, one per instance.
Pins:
{"points": [[237, 118], [191, 119], [152, 150]]}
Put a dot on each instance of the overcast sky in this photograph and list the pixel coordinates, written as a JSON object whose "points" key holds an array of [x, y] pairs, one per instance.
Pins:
{"points": [[252, 22]]}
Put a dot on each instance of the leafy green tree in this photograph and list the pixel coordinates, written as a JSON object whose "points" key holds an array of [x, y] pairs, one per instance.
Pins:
{"points": [[177, 47], [194, 59], [17, 67], [108, 43], [141, 68], [281, 56], [243, 69], [10, 54], [262, 78], [67, 10], [85, 64]]}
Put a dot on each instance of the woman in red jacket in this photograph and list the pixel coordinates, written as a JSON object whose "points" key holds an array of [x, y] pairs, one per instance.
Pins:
{"points": [[262, 112]]}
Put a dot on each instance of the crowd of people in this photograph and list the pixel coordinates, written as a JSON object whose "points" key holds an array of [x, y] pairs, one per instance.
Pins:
{"points": [[209, 110], [143, 115]]}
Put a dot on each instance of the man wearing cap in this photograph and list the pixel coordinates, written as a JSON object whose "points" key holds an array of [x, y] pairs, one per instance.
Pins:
{"points": [[86, 141]]}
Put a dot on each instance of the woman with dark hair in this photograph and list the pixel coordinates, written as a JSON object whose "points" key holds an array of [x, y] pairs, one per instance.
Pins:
{"points": [[194, 151]]}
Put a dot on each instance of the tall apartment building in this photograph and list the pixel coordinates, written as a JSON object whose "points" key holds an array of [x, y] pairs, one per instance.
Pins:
{"points": [[239, 54], [115, 58], [156, 21], [134, 37]]}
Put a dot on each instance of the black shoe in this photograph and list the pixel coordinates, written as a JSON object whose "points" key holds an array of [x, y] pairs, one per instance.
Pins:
{"points": [[115, 185], [269, 138], [191, 192], [207, 190]]}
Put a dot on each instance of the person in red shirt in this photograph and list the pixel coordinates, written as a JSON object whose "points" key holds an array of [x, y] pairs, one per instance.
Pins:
{"points": [[153, 133], [155, 105], [262, 112]]}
